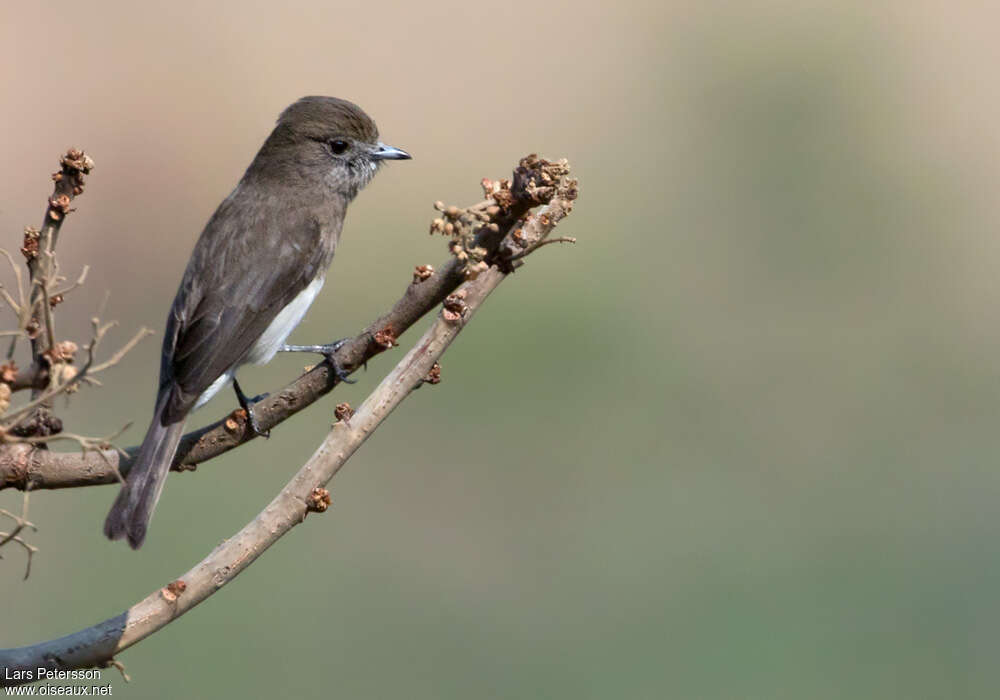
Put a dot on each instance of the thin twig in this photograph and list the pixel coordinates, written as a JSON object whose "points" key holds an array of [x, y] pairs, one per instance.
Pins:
{"points": [[545, 241], [86, 443], [88, 369], [79, 282], [50, 329], [29, 549], [122, 351], [20, 521]]}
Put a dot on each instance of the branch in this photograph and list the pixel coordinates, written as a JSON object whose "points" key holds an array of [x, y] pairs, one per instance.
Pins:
{"points": [[20, 523], [40, 246], [305, 493], [507, 214]]}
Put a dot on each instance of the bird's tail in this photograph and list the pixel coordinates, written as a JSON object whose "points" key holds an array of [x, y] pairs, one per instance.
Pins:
{"points": [[130, 515]]}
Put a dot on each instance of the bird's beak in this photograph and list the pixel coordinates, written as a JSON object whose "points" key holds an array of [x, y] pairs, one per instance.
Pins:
{"points": [[383, 152]]}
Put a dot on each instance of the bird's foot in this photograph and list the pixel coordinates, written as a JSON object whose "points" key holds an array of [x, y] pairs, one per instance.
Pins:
{"points": [[329, 351], [254, 425], [247, 405]]}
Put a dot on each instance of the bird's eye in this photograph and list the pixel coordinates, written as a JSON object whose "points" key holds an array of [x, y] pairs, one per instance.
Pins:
{"points": [[338, 146]]}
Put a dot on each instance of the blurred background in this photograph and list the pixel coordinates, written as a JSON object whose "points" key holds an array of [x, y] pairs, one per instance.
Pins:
{"points": [[754, 410]]}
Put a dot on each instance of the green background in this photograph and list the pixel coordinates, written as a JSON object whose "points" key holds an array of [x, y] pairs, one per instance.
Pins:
{"points": [[738, 442]]}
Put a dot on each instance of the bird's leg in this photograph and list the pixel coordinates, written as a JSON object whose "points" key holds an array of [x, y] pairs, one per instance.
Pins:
{"points": [[247, 405], [328, 351]]}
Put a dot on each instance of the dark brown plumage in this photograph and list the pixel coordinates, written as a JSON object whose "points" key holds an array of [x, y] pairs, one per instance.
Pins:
{"points": [[253, 273]]}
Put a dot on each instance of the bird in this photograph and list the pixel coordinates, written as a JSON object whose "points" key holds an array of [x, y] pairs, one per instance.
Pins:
{"points": [[255, 270]]}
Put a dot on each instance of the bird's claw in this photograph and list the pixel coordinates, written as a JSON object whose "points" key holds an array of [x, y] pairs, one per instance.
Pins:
{"points": [[254, 425], [247, 406], [329, 352]]}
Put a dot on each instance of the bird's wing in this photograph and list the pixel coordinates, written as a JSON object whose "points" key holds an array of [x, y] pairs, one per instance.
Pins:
{"points": [[240, 277]]}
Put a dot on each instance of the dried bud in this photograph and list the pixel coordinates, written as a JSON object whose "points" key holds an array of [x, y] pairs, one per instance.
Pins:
{"points": [[55, 300], [319, 500], [343, 412], [57, 176], [29, 248], [66, 374], [51, 425], [40, 423], [66, 350], [471, 272], [439, 205], [434, 375], [8, 372], [5, 393], [454, 307], [503, 196], [60, 202], [422, 272], [32, 329], [452, 212], [458, 250], [61, 352], [173, 590], [385, 338], [75, 159], [232, 422]]}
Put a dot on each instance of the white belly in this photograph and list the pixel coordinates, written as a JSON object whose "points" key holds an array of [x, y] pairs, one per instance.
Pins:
{"points": [[283, 324], [272, 339], [214, 389]]}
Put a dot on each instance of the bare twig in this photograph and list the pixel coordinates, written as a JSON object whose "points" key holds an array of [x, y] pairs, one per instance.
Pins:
{"points": [[85, 372], [115, 663], [69, 182], [86, 443], [19, 307], [547, 241], [117, 356], [30, 550], [20, 523], [76, 285], [36, 317]]}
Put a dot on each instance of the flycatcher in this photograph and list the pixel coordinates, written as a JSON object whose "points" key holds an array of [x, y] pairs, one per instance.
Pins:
{"points": [[254, 272]]}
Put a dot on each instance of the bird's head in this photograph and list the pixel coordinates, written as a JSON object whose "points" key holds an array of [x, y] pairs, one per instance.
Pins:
{"points": [[328, 139]]}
